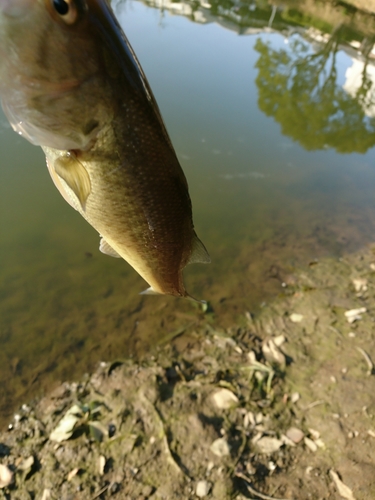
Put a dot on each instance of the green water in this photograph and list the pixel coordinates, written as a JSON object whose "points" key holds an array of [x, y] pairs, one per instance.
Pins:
{"points": [[280, 163]]}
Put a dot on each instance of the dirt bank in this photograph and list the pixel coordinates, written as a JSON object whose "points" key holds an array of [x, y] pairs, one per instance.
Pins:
{"points": [[279, 406]]}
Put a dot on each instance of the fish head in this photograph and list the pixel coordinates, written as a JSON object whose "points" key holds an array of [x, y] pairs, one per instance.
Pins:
{"points": [[52, 71]]}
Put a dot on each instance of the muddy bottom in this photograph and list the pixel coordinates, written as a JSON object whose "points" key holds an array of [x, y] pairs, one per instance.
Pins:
{"points": [[280, 406]]}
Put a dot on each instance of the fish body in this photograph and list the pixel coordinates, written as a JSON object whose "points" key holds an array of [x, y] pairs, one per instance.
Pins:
{"points": [[71, 83]]}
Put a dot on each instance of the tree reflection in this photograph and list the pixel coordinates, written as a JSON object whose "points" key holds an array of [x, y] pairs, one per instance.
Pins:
{"points": [[300, 90]]}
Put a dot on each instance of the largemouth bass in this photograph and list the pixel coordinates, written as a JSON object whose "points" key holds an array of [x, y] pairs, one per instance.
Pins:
{"points": [[71, 83]]}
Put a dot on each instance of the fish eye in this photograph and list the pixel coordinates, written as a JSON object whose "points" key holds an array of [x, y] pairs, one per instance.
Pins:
{"points": [[61, 7], [66, 10]]}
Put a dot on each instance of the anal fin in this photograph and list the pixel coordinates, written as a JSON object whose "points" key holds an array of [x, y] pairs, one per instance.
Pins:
{"points": [[198, 252], [106, 248], [150, 291]]}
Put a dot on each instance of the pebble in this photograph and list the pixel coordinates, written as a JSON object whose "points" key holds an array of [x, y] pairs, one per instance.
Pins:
{"points": [[268, 445], [294, 434], [202, 489], [296, 318], [225, 399], [220, 447], [6, 476]]}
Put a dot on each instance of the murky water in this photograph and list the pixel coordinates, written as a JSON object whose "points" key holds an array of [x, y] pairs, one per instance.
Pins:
{"points": [[275, 131]]}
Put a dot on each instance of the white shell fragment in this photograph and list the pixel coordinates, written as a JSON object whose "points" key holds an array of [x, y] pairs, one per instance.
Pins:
{"points": [[360, 284], [310, 444], [6, 476], [354, 314], [220, 447], [296, 318], [342, 489], [224, 399], [268, 445], [202, 489], [102, 462], [295, 397], [46, 494], [72, 474], [272, 353]]}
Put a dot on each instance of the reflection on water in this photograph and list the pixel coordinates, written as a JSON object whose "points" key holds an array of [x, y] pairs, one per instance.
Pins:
{"points": [[260, 123], [299, 87]]}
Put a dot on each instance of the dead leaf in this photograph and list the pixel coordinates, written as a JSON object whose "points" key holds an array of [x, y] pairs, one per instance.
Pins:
{"points": [[342, 489]]}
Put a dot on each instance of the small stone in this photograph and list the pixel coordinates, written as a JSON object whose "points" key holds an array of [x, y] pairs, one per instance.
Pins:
{"points": [[224, 399], [220, 447], [202, 489], [271, 466], [295, 435], [371, 433], [251, 357], [296, 318], [26, 463], [115, 488], [268, 445]]}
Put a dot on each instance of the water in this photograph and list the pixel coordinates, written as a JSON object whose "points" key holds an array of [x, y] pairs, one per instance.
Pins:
{"points": [[280, 163]]}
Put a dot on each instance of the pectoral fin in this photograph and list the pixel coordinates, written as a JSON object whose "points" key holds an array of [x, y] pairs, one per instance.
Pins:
{"points": [[106, 248], [71, 170], [57, 181], [199, 252]]}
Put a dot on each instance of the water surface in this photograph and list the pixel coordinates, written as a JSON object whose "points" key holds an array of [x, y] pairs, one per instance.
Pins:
{"points": [[275, 132]]}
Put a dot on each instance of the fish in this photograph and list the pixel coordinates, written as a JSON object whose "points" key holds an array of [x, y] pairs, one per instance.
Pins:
{"points": [[71, 83]]}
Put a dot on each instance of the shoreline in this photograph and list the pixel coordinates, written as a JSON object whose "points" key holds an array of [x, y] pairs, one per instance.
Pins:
{"points": [[283, 402]]}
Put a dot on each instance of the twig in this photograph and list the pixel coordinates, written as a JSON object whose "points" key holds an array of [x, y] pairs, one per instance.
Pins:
{"points": [[251, 489], [313, 404], [370, 364], [97, 495], [162, 434]]}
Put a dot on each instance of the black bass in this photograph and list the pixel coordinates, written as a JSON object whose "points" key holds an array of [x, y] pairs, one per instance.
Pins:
{"points": [[71, 83]]}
